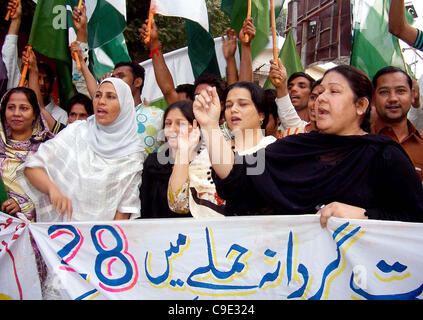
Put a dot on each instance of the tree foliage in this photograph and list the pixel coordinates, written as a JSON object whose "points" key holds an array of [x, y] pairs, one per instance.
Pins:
{"points": [[171, 29]]}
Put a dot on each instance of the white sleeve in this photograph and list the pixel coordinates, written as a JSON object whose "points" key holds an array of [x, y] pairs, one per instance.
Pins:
{"points": [[131, 202], [288, 115], [416, 117], [9, 53]]}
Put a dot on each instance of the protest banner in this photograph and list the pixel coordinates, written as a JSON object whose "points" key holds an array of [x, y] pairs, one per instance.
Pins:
{"points": [[18, 271], [257, 257]]}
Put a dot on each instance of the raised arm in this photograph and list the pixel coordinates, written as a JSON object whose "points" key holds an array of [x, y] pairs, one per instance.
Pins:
{"points": [[229, 42], [84, 81], [246, 66], [163, 77], [88, 76], [286, 111], [16, 8], [207, 113], [9, 49], [185, 153], [35, 85], [398, 25]]}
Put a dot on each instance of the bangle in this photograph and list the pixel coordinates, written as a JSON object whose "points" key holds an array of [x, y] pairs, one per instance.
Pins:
{"points": [[155, 51]]}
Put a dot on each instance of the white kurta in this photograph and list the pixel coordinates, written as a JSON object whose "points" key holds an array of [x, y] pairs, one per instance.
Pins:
{"points": [[97, 186]]}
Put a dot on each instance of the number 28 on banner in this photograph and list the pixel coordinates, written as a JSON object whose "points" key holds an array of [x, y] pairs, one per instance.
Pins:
{"points": [[112, 247]]}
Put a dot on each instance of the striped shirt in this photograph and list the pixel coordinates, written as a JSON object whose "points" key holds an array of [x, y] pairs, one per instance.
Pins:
{"points": [[419, 41]]}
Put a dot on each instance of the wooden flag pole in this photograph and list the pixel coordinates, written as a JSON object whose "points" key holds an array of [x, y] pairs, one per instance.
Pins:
{"points": [[75, 54], [273, 23], [25, 67], [247, 38], [149, 23]]}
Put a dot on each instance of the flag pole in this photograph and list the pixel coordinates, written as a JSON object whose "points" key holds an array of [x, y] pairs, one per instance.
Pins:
{"points": [[273, 23], [246, 38], [25, 67], [149, 23], [75, 54]]}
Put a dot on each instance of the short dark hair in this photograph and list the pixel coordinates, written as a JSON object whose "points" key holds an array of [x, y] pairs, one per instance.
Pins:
{"points": [[82, 99], [390, 69], [270, 102], [137, 70], [360, 85], [257, 96], [214, 81], [49, 72], [30, 95], [301, 74], [315, 84], [188, 88]]}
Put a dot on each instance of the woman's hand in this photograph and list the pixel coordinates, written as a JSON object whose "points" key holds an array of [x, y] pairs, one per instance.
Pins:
{"points": [[60, 202], [340, 210], [11, 207], [187, 141], [207, 108]]}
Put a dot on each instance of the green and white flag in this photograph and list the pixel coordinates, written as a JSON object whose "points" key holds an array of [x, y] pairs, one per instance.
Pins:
{"points": [[49, 37], [106, 22], [373, 46], [200, 42], [194, 10]]}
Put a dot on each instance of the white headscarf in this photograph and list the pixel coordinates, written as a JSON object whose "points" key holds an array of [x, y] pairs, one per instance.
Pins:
{"points": [[120, 138]]}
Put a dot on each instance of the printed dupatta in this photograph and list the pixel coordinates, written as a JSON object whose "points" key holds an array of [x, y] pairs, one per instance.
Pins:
{"points": [[13, 153]]}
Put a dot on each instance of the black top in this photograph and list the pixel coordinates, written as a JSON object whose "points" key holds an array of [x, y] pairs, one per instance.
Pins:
{"points": [[304, 170], [153, 189]]}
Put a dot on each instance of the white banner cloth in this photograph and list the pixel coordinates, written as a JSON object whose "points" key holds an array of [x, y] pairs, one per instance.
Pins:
{"points": [[266, 257], [18, 271]]}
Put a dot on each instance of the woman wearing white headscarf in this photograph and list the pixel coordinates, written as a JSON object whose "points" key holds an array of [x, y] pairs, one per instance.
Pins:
{"points": [[92, 169]]}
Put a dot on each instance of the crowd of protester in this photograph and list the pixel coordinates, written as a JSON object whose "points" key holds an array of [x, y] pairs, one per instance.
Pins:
{"points": [[337, 146]]}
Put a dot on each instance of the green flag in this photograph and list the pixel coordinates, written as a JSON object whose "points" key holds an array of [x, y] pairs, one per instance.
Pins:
{"points": [[49, 37], [373, 46], [236, 10], [201, 50], [107, 56], [3, 192], [106, 22], [48, 31], [289, 57]]}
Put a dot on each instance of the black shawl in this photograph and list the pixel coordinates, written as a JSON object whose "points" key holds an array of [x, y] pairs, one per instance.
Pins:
{"points": [[305, 170], [153, 189]]}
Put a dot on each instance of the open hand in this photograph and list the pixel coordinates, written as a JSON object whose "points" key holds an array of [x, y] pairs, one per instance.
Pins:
{"points": [[207, 108]]}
